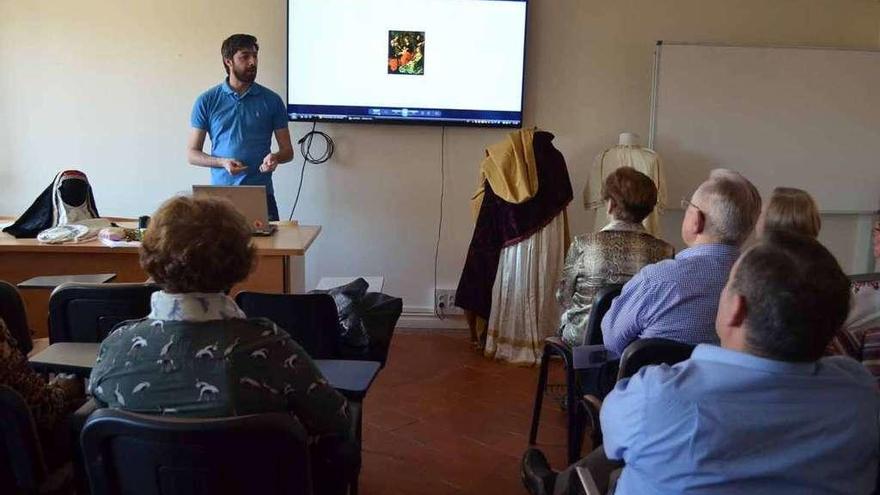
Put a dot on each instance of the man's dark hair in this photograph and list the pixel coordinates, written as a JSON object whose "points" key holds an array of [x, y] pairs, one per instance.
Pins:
{"points": [[234, 43], [796, 296]]}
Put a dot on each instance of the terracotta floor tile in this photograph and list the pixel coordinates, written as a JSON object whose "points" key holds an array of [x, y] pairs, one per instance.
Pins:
{"points": [[441, 419]]}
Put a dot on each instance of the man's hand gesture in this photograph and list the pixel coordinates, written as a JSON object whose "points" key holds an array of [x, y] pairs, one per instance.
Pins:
{"points": [[233, 166], [270, 163]]}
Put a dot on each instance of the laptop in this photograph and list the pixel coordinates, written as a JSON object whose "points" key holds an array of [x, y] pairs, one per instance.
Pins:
{"points": [[250, 201]]}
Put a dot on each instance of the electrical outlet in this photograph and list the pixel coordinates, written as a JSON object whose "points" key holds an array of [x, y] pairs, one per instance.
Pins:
{"points": [[444, 302]]}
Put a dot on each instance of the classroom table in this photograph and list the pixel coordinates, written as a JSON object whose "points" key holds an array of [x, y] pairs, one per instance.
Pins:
{"points": [[280, 266]]}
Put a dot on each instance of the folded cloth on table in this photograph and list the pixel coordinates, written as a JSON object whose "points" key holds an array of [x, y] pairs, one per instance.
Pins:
{"points": [[82, 231]]}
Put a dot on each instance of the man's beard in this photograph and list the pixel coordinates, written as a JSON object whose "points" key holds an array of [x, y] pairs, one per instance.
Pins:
{"points": [[245, 75]]}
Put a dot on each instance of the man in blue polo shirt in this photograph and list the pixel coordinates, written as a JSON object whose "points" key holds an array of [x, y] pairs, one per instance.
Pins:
{"points": [[240, 116]]}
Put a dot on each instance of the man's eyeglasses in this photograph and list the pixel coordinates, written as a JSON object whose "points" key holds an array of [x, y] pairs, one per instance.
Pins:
{"points": [[685, 203]]}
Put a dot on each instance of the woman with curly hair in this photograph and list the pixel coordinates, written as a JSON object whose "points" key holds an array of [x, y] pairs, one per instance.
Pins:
{"points": [[197, 355]]}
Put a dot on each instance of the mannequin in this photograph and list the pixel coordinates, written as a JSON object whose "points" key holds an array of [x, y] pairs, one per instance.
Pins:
{"points": [[628, 139], [627, 153], [67, 200]]}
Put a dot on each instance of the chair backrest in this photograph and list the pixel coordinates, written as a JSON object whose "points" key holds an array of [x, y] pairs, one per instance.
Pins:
{"points": [[13, 314], [22, 467], [379, 313], [311, 319], [644, 352], [88, 312], [136, 454], [865, 277], [601, 304]]}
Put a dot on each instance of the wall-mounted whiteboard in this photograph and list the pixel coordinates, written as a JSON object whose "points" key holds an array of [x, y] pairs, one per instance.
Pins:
{"points": [[800, 117]]}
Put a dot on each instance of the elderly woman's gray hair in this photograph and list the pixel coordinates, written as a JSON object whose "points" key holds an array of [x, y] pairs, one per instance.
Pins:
{"points": [[731, 205]]}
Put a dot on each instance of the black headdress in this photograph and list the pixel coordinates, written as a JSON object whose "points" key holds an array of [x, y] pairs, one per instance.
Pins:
{"points": [[68, 199]]}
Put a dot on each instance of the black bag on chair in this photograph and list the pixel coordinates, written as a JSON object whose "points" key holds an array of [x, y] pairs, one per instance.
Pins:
{"points": [[351, 331], [366, 320], [379, 315]]}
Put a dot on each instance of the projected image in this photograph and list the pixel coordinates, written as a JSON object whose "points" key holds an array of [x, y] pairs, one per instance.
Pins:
{"points": [[406, 52]]}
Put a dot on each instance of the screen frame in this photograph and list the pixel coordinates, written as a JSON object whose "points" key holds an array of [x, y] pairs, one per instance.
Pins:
{"points": [[404, 121]]}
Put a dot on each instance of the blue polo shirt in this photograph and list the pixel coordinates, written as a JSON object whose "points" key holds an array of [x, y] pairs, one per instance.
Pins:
{"points": [[240, 127]]}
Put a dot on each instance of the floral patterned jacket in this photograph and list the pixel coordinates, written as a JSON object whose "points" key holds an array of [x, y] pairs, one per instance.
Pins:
{"points": [[48, 402]]}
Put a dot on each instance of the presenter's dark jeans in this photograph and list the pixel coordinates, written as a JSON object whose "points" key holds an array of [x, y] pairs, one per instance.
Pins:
{"points": [[272, 206]]}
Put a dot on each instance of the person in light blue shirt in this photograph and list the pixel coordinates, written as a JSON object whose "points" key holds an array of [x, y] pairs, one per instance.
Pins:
{"points": [[240, 116], [764, 413], [677, 299]]}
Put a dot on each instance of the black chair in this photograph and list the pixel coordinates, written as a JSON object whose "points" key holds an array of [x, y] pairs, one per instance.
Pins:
{"points": [[573, 386], [136, 454], [865, 278], [88, 312], [23, 468], [12, 312], [645, 352], [311, 319], [640, 353]]}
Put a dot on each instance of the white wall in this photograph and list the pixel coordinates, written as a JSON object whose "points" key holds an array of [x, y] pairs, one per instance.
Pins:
{"points": [[107, 87]]}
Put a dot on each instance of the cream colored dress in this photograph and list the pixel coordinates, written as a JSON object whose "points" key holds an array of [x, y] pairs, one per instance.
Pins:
{"points": [[645, 160], [524, 311]]}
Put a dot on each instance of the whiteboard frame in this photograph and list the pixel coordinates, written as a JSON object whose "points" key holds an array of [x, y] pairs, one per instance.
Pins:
{"points": [[655, 89]]}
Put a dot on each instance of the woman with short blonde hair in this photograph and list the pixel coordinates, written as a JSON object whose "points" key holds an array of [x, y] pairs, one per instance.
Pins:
{"points": [[793, 210]]}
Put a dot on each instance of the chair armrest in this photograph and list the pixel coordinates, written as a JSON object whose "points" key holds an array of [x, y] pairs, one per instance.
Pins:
{"points": [[588, 484], [592, 356], [77, 422], [597, 473], [79, 417], [592, 405], [355, 410]]}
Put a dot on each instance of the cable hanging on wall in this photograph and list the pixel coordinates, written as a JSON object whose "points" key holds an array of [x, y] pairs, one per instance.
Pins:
{"points": [[440, 219], [305, 149]]}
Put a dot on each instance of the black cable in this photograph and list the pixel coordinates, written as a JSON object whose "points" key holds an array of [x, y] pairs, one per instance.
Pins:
{"points": [[440, 221], [305, 149]]}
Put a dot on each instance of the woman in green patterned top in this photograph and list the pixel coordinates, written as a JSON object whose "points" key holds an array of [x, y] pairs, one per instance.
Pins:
{"points": [[196, 354]]}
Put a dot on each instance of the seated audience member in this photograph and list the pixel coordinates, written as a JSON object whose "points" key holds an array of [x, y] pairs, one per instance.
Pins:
{"points": [[49, 402], [196, 354], [763, 413], [612, 255], [859, 338], [677, 299], [793, 210]]}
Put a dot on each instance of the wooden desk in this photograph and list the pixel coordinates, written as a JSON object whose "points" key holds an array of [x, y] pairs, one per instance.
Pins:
{"points": [[279, 268]]}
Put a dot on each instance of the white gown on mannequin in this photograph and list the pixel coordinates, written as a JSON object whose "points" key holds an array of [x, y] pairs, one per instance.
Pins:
{"points": [[524, 308]]}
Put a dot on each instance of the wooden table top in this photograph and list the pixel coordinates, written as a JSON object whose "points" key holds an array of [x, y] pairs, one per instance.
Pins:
{"points": [[291, 239]]}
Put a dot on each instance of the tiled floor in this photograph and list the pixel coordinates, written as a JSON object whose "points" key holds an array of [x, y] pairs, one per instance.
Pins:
{"points": [[441, 419]]}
